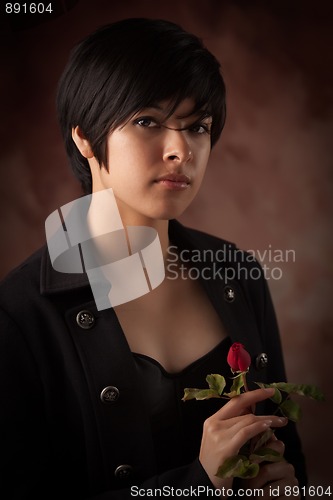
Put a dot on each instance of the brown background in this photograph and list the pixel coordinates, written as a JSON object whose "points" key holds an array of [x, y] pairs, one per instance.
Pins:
{"points": [[269, 183]]}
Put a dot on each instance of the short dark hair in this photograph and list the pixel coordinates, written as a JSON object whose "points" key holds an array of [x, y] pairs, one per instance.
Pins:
{"points": [[129, 65]]}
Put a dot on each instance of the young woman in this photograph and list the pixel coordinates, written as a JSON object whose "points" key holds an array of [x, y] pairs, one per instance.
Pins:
{"points": [[92, 398]]}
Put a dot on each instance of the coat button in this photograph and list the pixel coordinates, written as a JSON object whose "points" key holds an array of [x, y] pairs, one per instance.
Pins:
{"points": [[229, 294], [85, 319], [123, 471], [261, 361], [109, 394]]}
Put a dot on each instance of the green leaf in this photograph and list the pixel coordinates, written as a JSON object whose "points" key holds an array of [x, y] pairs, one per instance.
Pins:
{"points": [[308, 390], [199, 394], [277, 396], [237, 466], [216, 382], [291, 410], [237, 385], [266, 455]]}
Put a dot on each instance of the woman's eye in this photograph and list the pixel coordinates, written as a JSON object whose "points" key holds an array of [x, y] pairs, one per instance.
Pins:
{"points": [[200, 128], [146, 122]]}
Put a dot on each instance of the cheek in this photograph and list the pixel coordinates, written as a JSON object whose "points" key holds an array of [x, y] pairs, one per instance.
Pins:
{"points": [[132, 155], [201, 149], [203, 155]]}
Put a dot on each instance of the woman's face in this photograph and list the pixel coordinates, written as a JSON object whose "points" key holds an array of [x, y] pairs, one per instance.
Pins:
{"points": [[154, 170]]}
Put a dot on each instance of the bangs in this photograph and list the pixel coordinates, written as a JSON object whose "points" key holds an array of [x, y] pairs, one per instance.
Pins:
{"points": [[208, 95], [156, 70]]}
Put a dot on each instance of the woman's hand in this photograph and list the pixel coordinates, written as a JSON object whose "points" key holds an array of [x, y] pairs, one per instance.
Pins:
{"points": [[225, 432], [273, 476]]}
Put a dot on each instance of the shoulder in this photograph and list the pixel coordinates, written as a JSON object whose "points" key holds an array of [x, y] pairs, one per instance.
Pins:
{"points": [[236, 267], [25, 275], [17, 291], [219, 249], [20, 290], [181, 234]]}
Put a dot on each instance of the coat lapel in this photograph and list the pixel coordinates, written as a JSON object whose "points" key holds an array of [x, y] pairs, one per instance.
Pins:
{"points": [[234, 311], [104, 355]]}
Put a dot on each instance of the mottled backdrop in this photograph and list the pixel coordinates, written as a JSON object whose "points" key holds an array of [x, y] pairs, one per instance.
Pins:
{"points": [[269, 183]]}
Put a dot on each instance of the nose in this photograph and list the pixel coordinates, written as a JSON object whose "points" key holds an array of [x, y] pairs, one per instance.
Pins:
{"points": [[177, 149]]}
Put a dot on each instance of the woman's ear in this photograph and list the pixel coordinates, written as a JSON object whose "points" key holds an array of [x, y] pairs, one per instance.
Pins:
{"points": [[82, 143]]}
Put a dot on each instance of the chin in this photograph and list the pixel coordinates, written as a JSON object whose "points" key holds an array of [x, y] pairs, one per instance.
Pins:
{"points": [[154, 211], [168, 213], [171, 209]]}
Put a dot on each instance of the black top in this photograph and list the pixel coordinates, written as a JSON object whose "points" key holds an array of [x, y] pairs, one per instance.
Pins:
{"points": [[59, 438], [177, 425]]}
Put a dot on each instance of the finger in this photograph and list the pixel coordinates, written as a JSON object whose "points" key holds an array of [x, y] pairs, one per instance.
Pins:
{"points": [[237, 423], [250, 426], [238, 404], [245, 433], [278, 471], [277, 446]]}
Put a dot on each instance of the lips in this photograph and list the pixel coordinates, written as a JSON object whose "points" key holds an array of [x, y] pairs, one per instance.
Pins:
{"points": [[174, 181]]}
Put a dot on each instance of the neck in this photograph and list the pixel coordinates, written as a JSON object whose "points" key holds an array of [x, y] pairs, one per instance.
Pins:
{"points": [[160, 226], [105, 215]]}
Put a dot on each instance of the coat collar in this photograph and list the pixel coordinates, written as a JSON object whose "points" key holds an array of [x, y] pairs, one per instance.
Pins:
{"points": [[53, 282]]}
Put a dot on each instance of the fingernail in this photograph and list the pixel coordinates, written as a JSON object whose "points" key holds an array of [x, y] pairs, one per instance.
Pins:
{"points": [[283, 420]]}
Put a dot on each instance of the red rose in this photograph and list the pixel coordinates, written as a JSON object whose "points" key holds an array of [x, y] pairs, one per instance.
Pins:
{"points": [[238, 358]]}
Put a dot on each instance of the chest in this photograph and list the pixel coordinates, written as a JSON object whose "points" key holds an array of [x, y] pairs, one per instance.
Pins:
{"points": [[175, 324]]}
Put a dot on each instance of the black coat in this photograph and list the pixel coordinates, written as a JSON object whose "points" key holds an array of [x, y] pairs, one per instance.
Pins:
{"points": [[59, 437]]}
